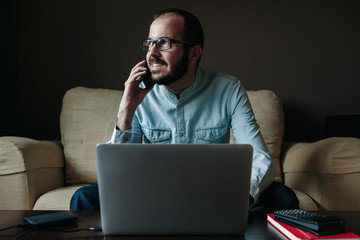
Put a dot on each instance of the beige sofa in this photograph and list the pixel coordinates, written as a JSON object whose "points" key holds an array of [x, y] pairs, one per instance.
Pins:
{"points": [[44, 174]]}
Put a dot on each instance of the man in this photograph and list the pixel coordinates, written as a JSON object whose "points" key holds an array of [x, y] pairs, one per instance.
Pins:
{"points": [[187, 104]]}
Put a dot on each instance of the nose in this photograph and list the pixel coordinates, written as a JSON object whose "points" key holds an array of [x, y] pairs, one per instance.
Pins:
{"points": [[153, 51]]}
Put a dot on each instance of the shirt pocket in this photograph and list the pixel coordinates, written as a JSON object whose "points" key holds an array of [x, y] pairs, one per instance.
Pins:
{"points": [[213, 135], [157, 135]]}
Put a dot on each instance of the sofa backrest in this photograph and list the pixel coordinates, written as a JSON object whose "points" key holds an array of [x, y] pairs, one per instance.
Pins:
{"points": [[88, 117]]}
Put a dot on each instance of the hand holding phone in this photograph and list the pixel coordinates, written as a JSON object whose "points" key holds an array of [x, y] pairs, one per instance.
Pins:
{"points": [[133, 95], [147, 77]]}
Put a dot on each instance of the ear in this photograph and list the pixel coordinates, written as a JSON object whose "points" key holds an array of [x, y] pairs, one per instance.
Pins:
{"points": [[195, 54]]}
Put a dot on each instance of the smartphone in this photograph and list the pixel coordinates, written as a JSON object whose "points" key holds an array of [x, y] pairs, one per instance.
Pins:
{"points": [[147, 77]]}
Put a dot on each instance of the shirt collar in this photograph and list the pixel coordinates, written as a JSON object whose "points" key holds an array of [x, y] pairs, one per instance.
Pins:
{"points": [[185, 92]]}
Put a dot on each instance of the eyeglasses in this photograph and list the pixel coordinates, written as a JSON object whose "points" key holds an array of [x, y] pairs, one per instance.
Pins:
{"points": [[163, 43]]}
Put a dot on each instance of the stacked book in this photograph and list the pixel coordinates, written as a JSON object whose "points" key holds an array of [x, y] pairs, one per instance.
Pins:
{"points": [[293, 233]]}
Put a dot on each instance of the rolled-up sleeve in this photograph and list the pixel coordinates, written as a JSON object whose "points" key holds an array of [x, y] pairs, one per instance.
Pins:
{"points": [[133, 135], [120, 136]]}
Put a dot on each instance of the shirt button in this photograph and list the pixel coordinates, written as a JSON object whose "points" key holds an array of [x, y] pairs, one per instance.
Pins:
{"points": [[181, 134], [212, 137], [179, 107]]}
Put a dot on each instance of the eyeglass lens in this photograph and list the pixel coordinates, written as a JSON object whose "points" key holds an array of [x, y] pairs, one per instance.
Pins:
{"points": [[161, 44]]}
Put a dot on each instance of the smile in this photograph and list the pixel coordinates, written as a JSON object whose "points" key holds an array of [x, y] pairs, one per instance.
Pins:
{"points": [[156, 63], [156, 66]]}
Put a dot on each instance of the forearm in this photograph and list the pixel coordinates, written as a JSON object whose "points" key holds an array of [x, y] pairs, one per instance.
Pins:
{"points": [[125, 119], [263, 168], [263, 173]]}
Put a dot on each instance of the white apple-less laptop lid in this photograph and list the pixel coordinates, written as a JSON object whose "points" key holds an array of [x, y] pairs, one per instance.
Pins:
{"points": [[192, 189]]}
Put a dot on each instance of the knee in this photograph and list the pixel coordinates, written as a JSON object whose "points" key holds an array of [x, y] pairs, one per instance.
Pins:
{"points": [[278, 197], [85, 198], [81, 193], [287, 198]]}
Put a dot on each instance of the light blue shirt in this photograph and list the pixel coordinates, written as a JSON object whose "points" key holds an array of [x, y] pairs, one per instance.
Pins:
{"points": [[204, 113]]}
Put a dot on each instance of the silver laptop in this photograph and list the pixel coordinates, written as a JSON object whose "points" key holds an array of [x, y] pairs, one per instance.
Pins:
{"points": [[191, 189]]}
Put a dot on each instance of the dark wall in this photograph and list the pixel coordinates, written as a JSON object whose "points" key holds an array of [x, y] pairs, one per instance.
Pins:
{"points": [[8, 68], [306, 51]]}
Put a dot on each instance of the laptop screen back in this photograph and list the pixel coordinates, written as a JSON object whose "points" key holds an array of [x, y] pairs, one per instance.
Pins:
{"points": [[157, 189]]}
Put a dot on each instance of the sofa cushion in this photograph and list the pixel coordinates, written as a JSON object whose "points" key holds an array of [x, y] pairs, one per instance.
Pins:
{"points": [[88, 117], [58, 199]]}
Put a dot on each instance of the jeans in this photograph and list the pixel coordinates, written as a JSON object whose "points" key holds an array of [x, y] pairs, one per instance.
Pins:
{"points": [[275, 197], [86, 198]]}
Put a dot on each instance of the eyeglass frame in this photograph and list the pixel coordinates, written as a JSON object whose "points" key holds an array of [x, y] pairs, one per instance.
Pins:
{"points": [[152, 42]]}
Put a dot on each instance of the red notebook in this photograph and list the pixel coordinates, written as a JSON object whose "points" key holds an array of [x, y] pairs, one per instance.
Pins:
{"points": [[294, 233]]}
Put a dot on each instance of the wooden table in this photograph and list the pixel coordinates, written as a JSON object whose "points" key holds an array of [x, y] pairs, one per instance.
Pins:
{"points": [[258, 228]]}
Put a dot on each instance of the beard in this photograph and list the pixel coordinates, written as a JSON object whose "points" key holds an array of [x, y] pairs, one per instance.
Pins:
{"points": [[176, 72]]}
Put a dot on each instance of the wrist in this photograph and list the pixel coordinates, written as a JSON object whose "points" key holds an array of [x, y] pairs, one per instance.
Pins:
{"points": [[122, 128], [125, 120]]}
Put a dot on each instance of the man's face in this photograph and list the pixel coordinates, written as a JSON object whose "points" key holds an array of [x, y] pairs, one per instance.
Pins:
{"points": [[170, 65]]}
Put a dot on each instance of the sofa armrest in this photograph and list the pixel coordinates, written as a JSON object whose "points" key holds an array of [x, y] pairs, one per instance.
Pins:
{"points": [[328, 171], [28, 169]]}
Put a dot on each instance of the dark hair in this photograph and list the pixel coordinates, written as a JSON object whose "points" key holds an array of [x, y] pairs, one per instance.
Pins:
{"points": [[193, 31]]}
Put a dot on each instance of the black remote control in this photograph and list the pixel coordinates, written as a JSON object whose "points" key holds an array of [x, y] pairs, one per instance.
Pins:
{"points": [[315, 223]]}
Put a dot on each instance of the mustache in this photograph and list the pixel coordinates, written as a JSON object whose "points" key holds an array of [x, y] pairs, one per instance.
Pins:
{"points": [[156, 60]]}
